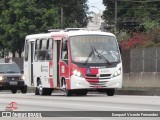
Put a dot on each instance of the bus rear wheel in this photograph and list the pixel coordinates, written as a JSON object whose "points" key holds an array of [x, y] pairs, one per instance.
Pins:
{"points": [[42, 91], [36, 91], [110, 92]]}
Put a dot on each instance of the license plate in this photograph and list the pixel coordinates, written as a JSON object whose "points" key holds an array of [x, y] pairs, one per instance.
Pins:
{"points": [[13, 83], [103, 71]]}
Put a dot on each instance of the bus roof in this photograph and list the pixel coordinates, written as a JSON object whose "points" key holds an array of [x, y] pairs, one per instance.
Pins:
{"points": [[83, 32], [61, 34], [36, 36]]}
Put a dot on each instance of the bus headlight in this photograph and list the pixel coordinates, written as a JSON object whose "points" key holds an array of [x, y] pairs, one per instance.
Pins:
{"points": [[118, 72], [77, 73]]}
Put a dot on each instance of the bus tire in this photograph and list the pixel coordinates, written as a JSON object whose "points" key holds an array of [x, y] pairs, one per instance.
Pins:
{"points": [[47, 91], [66, 91], [110, 92], [42, 91], [36, 91]]}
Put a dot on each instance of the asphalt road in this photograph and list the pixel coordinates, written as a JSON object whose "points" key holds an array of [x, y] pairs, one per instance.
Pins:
{"points": [[91, 102]]}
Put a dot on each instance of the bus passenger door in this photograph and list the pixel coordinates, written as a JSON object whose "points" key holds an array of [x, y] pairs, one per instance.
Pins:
{"points": [[56, 55], [31, 71], [28, 62]]}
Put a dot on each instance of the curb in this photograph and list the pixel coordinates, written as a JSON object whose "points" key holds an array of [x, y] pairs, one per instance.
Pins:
{"points": [[123, 91]]}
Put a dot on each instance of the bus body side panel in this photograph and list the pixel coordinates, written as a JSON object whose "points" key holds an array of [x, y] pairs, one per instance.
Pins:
{"points": [[41, 70], [26, 71], [51, 74], [64, 72]]}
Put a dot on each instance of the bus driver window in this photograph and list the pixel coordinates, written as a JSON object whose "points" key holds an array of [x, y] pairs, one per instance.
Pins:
{"points": [[64, 50]]}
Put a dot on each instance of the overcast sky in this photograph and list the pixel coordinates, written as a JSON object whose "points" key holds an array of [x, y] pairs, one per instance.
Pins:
{"points": [[97, 3]]}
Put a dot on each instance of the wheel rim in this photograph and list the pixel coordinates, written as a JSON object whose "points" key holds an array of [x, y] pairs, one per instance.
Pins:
{"points": [[64, 88], [40, 89]]}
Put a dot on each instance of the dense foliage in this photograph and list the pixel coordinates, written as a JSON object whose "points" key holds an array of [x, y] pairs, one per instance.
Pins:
{"points": [[19, 18], [138, 19]]}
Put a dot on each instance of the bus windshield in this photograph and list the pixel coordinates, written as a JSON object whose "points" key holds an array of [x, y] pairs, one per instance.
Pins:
{"points": [[94, 49]]}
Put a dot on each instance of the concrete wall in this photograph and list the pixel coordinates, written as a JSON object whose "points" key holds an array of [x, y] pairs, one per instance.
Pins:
{"points": [[141, 60], [141, 80], [141, 68]]}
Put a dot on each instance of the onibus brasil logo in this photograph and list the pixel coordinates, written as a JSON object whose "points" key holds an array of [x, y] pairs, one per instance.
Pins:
{"points": [[11, 106]]}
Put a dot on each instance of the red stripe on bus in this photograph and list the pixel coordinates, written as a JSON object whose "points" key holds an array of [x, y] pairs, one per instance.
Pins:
{"points": [[51, 82], [93, 80], [94, 70], [50, 65]]}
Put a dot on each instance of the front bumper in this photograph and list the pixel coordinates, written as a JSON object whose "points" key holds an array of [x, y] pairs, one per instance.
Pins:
{"points": [[93, 84], [7, 85]]}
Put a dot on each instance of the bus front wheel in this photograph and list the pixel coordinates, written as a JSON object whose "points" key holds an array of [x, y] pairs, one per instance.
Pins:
{"points": [[64, 87], [110, 92]]}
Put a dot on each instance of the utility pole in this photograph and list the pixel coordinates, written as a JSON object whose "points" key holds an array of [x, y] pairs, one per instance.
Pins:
{"points": [[115, 24], [61, 16]]}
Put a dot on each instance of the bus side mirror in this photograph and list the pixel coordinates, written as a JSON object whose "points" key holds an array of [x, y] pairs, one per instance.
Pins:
{"points": [[64, 46], [120, 48], [22, 71]]}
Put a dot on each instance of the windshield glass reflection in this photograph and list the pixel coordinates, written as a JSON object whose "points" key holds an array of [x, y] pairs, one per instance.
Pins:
{"points": [[94, 49]]}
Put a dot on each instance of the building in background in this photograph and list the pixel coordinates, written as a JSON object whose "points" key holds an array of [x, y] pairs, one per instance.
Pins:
{"points": [[95, 22]]}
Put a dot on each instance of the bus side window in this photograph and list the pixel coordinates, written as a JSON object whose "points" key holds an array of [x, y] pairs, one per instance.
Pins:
{"points": [[49, 49], [42, 52], [37, 47], [42, 55], [43, 44], [64, 50]]}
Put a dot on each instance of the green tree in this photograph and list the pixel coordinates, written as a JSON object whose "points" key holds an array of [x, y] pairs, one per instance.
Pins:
{"points": [[21, 17], [147, 13], [74, 12]]}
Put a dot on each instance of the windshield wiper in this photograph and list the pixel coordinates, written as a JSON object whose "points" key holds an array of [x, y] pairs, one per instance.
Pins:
{"points": [[92, 52], [101, 56]]}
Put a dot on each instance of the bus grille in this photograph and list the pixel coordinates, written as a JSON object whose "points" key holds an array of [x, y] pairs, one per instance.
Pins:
{"points": [[95, 75]]}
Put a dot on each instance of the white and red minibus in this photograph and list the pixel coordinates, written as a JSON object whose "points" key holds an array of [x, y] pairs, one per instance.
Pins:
{"points": [[75, 61]]}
